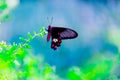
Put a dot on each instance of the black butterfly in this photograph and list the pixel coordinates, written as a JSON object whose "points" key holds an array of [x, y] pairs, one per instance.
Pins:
{"points": [[58, 34]]}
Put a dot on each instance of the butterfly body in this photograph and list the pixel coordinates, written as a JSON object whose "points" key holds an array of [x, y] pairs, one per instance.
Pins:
{"points": [[58, 34]]}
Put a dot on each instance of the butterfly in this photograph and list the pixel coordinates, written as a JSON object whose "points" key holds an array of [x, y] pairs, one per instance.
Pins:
{"points": [[58, 34]]}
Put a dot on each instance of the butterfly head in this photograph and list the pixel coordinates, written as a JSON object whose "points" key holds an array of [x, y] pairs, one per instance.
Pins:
{"points": [[49, 28]]}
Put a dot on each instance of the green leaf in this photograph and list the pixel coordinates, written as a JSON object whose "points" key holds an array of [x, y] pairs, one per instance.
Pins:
{"points": [[34, 33], [41, 35], [43, 31], [27, 46], [22, 39], [30, 36], [3, 5]]}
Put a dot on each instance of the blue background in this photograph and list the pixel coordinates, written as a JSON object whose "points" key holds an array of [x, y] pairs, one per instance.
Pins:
{"points": [[92, 19]]}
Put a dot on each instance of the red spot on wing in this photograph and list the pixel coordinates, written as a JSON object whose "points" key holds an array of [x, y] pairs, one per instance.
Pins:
{"points": [[58, 44]]}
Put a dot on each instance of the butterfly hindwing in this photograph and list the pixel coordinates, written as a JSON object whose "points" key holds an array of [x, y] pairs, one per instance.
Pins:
{"points": [[56, 41]]}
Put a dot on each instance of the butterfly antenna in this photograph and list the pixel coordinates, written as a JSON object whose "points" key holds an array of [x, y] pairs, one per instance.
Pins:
{"points": [[48, 23], [51, 21], [48, 20]]}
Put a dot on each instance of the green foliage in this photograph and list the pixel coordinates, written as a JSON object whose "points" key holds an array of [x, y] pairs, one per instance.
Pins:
{"points": [[75, 74], [18, 63], [3, 5], [6, 8], [95, 71], [32, 36]]}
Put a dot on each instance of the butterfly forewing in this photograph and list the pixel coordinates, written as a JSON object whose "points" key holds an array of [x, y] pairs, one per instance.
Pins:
{"points": [[65, 33], [68, 34]]}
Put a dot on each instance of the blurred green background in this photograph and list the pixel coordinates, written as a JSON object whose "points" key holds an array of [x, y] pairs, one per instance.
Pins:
{"points": [[93, 55]]}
